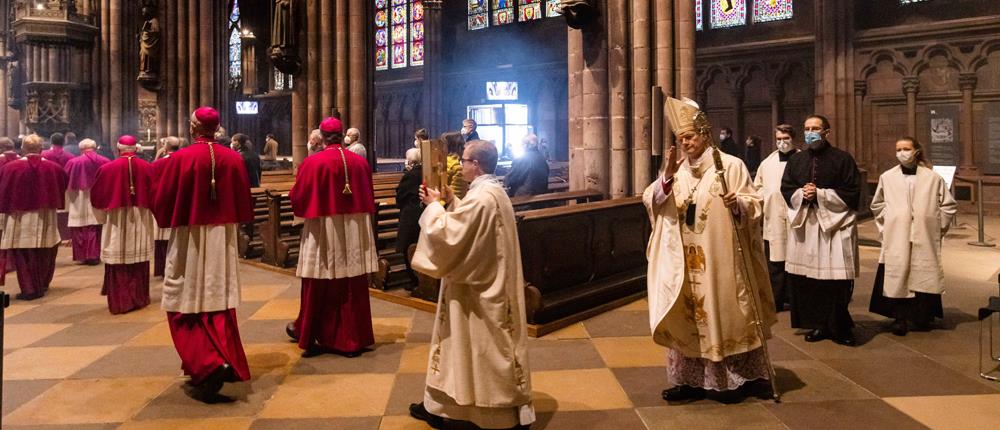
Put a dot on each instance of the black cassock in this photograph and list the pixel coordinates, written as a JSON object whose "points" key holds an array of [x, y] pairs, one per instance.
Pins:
{"points": [[821, 304]]}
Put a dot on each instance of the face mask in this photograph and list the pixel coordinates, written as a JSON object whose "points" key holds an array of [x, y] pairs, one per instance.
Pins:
{"points": [[784, 146], [812, 137], [347, 140], [906, 158], [722, 137], [465, 132], [234, 146]]}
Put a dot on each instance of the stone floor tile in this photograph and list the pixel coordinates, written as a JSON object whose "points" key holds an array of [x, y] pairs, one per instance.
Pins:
{"points": [[577, 390], [17, 393], [261, 292], [402, 423], [383, 358], [21, 335], [618, 419], [390, 330], [190, 424], [918, 376], [272, 359], [88, 334], [631, 351], [574, 331], [842, 414], [129, 361], [957, 412], [408, 388], [264, 331], [105, 401], [563, 354], [248, 398], [157, 335], [58, 314], [811, 381], [51, 362], [414, 359], [362, 423], [619, 323], [84, 296], [708, 417], [644, 385], [278, 309], [323, 396]]}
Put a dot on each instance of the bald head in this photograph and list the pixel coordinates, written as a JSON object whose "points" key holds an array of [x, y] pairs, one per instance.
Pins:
{"points": [[32, 144], [171, 144], [6, 144]]}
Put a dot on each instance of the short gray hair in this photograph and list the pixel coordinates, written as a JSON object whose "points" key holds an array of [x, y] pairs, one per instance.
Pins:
{"points": [[413, 156], [530, 141], [130, 148], [88, 144], [485, 152]]}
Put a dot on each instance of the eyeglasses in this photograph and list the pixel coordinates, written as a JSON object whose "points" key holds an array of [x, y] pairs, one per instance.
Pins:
{"points": [[783, 140], [467, 160]]}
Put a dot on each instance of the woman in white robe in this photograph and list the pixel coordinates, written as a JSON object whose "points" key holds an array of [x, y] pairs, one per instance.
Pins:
{"points": [[913, 209]]}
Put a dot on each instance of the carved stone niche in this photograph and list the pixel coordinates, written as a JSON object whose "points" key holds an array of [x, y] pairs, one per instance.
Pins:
{"points": [[50, 107], [284, 51]]}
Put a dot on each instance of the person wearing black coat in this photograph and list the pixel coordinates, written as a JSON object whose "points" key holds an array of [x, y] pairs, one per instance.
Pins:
{"points": [[241, 143], [529, 175], [410, 207]]}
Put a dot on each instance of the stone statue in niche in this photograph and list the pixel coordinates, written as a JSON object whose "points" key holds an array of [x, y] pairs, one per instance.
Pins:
{"points": [[579, 13], [15, 98], [284, 49], [149, 45]]}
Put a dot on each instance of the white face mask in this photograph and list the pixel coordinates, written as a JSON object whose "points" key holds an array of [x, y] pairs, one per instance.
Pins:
{"points": [[465, 131], [906, 158], [234, 146], [347, 140], [784, 145]]}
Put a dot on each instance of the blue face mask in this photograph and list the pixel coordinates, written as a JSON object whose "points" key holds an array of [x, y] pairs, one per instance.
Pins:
{"points": [[813, 137]]}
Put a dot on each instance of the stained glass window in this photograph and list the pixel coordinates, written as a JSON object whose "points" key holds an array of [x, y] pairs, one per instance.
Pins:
{"points": [[504, 12], [235, 45], [399, 34], [552, 8], [728, 13], [479, 14], [771, 10], [911, 1], [530, 10], [699, 23]]}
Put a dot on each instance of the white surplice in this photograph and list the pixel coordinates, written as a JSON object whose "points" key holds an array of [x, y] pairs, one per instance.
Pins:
{"points": [[823, 240], [768, 184], [912, 213], [337, 247], [478, 366], [81, 212], [127, 236], [202, 272], [34, 229]]}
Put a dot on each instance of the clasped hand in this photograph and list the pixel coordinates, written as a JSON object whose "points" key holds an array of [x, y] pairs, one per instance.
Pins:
{"points": [[431, 195], [809, 192]]}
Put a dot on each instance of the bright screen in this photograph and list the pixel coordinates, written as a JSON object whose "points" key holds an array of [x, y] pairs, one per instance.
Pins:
{"points": [[246, 108]]}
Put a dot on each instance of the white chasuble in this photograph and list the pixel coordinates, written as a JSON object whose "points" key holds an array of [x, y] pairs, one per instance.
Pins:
{"points": [[768, 185], [699, 299], [823, 240], [202, 271], [337, 247], [479, 351], [81, 213], [127, 236], [912, 213]]}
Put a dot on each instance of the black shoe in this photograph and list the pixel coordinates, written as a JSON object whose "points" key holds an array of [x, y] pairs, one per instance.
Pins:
{"points": [[290, 331], [816, 335], [899, 327], [27, 297], [313, 351], [683, 392], [418, 411], [921, 326], [208, 390], [846, 340]]}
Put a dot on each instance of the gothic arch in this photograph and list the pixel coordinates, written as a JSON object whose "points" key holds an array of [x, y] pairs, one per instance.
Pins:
{"points": [[877, 57]]}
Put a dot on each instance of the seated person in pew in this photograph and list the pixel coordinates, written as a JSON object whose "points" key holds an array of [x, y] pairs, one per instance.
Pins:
{"points": [[529, 174], [410, 208]]}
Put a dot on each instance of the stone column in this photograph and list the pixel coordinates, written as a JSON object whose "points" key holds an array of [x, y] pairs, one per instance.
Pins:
{"points": [[618, 97], [911, 86], [834, 60], [205, 34], [685, 50], [182, 93], [357, 40], [739, 131], [340, 60], [641, 96], [863, 153], [432, 109], [327, 69], [194, 71], [967, 83], [595, 108], [312, 62], [575, 65]]}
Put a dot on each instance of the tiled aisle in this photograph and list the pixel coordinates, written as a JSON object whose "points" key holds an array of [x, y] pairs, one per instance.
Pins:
{"points": [[69, 364]]}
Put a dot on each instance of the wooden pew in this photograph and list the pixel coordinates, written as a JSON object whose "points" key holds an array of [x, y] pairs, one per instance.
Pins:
{"points": [[280, 234], [580, 257], [555, 199]]}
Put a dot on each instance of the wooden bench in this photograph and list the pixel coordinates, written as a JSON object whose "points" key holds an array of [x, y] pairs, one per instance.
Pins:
{"points": [[555, 199], [579, 257]]}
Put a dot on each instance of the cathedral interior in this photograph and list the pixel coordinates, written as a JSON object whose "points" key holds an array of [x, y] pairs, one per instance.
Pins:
{"points": [[589, 78]]}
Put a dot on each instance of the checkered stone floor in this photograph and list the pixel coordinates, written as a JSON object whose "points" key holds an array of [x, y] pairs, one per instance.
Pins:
{"points": [[69, 364]]}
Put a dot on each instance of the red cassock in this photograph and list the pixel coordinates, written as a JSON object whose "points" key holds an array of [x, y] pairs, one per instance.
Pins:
{"points": [[204, 341], [57, 155], [86, 239], [125, 183], [334, 314], [4, 267], [32, 184], [160, 252]]}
